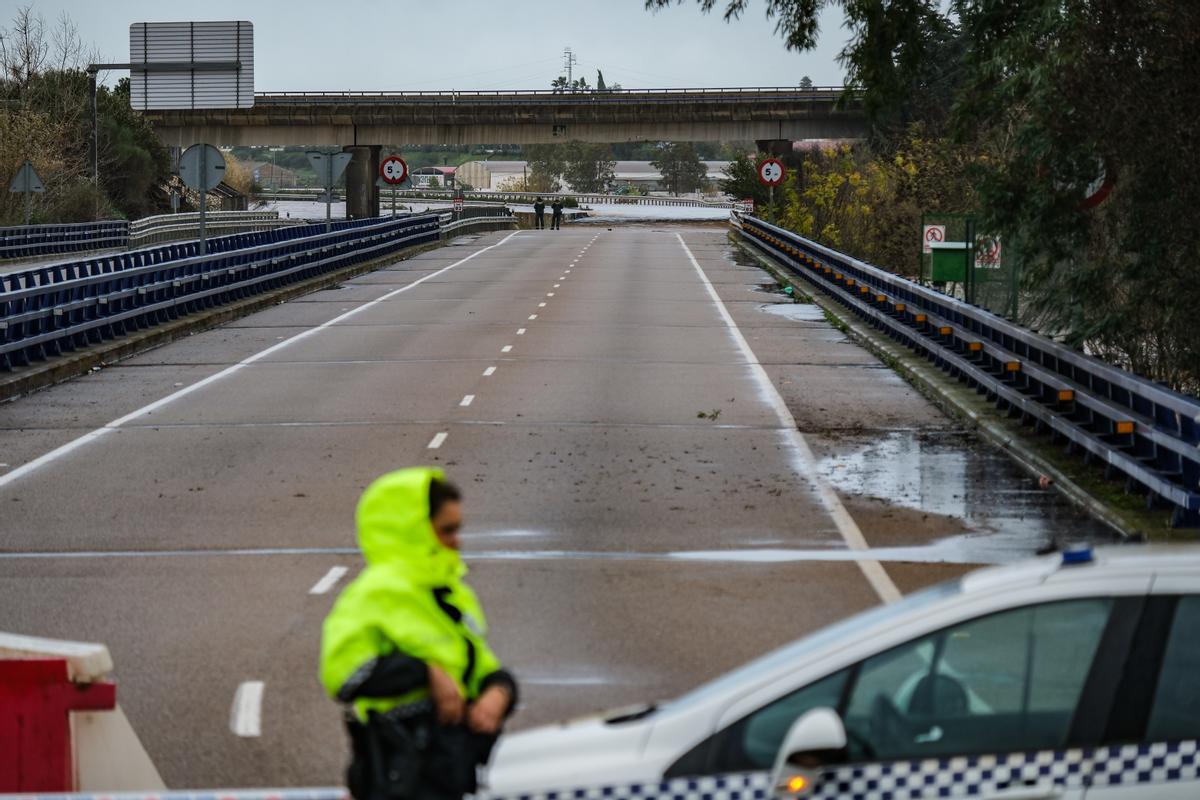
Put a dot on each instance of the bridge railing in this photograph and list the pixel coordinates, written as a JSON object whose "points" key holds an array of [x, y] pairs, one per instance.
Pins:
{"points": [[824, 93], [1135, 427], [31, 241], [53, 309], [500, 197]]}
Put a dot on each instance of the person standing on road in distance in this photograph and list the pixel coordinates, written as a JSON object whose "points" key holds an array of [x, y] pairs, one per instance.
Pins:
{"points": [[556, 217], [404, 647], [539, 213]]}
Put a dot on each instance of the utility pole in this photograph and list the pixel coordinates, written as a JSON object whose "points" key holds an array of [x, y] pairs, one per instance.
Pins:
{"points": [[569, 62]]}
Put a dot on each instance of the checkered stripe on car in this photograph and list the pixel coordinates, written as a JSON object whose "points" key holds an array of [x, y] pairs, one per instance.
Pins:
{"points": [[1149, 763], [742, 786], [966, 776], [930, 778]]}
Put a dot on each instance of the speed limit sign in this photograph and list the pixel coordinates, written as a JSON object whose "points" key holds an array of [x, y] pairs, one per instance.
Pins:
{"points": [[770, 172], [393, 170]]}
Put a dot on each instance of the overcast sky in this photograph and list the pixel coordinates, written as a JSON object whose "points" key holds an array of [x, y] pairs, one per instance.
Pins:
{"points": [[375, 45]]}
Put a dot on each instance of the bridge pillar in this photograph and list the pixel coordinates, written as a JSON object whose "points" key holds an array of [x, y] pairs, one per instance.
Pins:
{"points": [[362, 194], [778, 148]]}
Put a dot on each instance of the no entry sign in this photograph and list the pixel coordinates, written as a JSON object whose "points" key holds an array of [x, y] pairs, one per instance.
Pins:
{"points": [[393, 170], [771, 172]]}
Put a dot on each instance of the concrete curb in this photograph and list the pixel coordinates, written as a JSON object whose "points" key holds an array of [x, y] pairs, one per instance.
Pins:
{"points": [[958, 401], [24, 380]]}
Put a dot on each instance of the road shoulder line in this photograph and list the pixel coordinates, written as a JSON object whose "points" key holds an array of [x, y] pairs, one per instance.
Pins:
{"points": [[806, 465]]}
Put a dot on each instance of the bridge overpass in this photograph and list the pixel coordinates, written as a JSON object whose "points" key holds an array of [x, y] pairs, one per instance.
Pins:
{"points": [[525, 117], [365, 122]]}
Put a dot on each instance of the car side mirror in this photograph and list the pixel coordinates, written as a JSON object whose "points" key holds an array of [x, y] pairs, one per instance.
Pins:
{"points": [[805, 748]]}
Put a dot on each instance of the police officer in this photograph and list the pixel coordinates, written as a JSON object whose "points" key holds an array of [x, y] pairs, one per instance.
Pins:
{"points": [[404, 647], [539, 213], [556, 218]]}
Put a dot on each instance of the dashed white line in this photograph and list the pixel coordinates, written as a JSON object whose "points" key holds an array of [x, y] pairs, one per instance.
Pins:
{"points": [[331, 578], [245, 718], [541, 305], [506, 349], [437, 440], [520, 331], [467, 400], [533, 316], [557, 285], [805, 463], [75, 444], [489, 372], [549, 294]]}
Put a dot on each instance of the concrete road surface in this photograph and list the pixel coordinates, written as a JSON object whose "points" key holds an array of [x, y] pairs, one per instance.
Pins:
{"points": [[621, 408]]}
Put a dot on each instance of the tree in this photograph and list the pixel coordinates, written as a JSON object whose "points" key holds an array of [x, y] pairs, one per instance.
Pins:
{"points": [[600, 87], [806, 82], [588, 167], [741, 180], [546, 164], [559, 84], [681, 168]]}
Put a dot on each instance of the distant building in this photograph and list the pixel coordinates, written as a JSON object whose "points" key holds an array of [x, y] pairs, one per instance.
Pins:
{"points": [[423, 177], [491, 175]]}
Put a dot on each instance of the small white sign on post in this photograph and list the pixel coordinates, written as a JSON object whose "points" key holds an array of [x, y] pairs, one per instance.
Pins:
{"points": [[987, 252], [930, 235], [27, 181]]}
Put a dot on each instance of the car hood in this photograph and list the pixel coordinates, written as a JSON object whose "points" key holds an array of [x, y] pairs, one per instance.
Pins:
{"points": [[573, 755]]}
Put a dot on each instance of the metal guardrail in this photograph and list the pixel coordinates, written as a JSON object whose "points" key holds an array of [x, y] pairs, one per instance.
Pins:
{"points": [[34, 241], [1137, 428], [167, 227], [45, 311], [30, 241]]}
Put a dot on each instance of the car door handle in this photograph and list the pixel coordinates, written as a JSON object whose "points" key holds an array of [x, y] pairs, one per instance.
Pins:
{"points": [[1036, 792]]}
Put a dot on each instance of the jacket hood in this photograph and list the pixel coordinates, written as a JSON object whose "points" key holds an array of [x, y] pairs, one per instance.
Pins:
{"points": [[394, 528]]}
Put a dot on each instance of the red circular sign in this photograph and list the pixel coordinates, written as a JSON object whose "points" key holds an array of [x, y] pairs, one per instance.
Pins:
{"points": [[393, 170], [771, 172]]}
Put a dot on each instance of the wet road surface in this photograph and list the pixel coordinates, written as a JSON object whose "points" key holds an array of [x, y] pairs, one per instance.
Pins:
{"points": [[639, 518]]}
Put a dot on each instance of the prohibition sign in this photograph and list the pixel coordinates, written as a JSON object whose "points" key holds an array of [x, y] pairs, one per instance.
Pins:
{"points": [[770, 172], [393, 170]]}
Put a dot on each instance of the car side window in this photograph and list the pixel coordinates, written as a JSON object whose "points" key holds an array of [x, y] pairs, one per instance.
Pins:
{"points": [[1002, 683], [1175, 712]]}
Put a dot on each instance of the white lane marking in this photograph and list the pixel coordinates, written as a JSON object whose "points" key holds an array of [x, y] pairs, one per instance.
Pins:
{"points": [[805, 463], [245, 718], [437, 440], [489, 372], [467, 400], [331, 578], [533, 316], [541, 305], [73, 445], [557, 285], [549, 294], [566, 272], [506, 349]]}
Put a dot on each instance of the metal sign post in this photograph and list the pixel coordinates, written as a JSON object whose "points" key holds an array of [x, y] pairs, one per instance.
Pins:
{"points": [[771, 173], [202, 167], [27, 181], [329, 167]]}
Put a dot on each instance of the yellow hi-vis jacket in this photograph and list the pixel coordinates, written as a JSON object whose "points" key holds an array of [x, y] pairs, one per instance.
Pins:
{"points": [[391, 607]]}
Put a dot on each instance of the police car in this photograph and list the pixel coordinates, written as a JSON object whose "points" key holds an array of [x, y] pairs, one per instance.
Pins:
{"points": [[1070, 676]]}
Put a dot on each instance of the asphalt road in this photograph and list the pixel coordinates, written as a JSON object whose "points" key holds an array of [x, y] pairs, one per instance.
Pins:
{"points": [[641, 516]]}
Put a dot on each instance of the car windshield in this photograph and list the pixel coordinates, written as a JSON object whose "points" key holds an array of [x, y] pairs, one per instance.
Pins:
{"points": [[789, 653]]}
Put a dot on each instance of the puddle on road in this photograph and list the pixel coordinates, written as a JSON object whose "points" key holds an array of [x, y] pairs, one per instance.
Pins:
{"points": [[797, 312], [956, 475]]}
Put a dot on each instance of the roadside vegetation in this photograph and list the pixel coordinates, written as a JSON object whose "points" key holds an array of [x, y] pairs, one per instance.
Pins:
{"points": [[1018, 112], [45, 118]]}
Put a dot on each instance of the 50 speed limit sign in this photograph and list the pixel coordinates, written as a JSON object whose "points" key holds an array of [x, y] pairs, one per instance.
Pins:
{"points": [[770, 172], [393, 170]]}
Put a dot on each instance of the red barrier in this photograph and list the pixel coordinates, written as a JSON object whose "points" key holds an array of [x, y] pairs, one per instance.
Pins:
{"points": [[36, 701]]}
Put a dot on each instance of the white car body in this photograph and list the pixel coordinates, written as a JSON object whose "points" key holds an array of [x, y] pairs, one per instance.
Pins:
{"points": [[602, 758]]}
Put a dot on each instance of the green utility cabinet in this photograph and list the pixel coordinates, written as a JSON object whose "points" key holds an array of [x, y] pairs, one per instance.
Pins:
{"points": [[949, 261]]}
